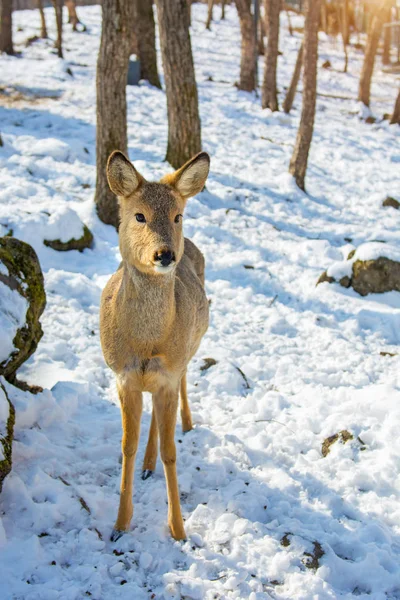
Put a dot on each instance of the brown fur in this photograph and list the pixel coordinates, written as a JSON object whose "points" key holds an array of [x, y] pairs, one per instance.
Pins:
{"points": [[151, 323]]}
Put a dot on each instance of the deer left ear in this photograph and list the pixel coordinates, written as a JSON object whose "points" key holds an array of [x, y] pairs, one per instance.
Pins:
{"points": [[190, 179]]}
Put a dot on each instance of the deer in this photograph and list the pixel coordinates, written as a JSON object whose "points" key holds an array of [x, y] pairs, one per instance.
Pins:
{"points": [[153, 315]]}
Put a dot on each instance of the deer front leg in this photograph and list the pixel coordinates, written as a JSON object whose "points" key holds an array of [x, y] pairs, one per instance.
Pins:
{"points": [[150, 458], [165, 404], [186, 415], [131, 411]]}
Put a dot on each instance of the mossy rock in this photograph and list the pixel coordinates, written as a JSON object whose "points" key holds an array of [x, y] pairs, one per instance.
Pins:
{"points": [[389, 201], [80, 244], [25, 276], [370, 276], [344, 436], [6, 436]]}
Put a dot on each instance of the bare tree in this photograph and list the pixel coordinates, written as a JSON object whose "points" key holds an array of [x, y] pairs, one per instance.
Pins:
{"points": [[209, 14], [146, 41], [43, 28], [223, 2], [269, 95], [298, 163], [58, 8], [6, 41], [184, 132], [364, 88], [387, 35], [288, 103], [261, 35], [111, 78], [248, 62], [73, 16], [342, 16], [396, 112]]}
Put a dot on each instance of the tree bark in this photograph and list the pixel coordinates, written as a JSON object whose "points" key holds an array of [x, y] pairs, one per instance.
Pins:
{"points": [[223, 9], [209, 14], [248, 61], [261, 35], [298, 163], [269, 96], [6, 41], [146, 40], [111, 79], [288, 103], [387, 37], [364, 88], [343, 26], [58, 8], [184, 132], [396, 111], [43, 28]]}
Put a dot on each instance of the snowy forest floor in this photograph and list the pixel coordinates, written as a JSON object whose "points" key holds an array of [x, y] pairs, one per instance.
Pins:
{"points": [[257, 495]]}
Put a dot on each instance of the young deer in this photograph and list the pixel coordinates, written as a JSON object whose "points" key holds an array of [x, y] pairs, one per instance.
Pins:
{"points": [[153, 314]]}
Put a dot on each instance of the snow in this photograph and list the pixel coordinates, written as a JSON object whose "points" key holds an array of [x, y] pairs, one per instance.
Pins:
{"points": [[4, 415], [315, 358], [13, 309], [368, 251]]}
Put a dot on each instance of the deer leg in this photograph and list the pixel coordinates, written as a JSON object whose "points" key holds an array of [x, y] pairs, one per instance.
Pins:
{"points": [[131, 411], [186, 415], [166, 406], [150, 457]]}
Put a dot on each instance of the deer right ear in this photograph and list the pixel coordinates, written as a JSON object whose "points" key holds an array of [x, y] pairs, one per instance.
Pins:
{"points": [[122, 176]]}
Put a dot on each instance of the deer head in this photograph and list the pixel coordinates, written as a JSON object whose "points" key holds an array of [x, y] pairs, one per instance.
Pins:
{"points": [[150, 233]]}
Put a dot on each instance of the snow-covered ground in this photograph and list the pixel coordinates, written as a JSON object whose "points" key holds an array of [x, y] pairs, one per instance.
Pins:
{"points": [[257, 493]]}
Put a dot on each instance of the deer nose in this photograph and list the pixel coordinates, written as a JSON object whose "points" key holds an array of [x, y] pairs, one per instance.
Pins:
{"points": [[164, 257]]}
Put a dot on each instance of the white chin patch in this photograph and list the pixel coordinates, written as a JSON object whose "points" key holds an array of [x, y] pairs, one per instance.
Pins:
{"points": [[164, 270]]}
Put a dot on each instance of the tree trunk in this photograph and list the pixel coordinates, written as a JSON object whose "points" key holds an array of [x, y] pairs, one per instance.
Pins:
{"points": [[269, 97], [6, 42], [248, 62], [58, 8], [146, 39], [43, 28], [324, 17], [343, 26], [261, 35], [209, 14], [387, 37], [73, 16], [1, 141], [396, 112], [111, 78], [374, 35], [298, 163], [289, 23], [288, 103], [184, 133], [223, 9]]}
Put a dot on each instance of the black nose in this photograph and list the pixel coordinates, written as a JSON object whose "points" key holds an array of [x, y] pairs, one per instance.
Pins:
{"points": [[165, 257]]}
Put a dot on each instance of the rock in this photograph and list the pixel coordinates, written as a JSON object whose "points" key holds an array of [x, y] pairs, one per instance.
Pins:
{"points": [[325, 278], [376, 276], [312, 558], [207, 363], [22, 279], [344, 436], [7, 419], [80, 244], [389, 201], [370, 120], [326, 64]]}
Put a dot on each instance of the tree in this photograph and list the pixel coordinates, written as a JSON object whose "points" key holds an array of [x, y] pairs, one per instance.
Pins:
{"points": [[223, 9], [298, 163], [387, 35], [73, 16], [58, 8], [288, 103], [6, 41], [111, 78], [269, 95], [146, 41], [396, 112], [248, 62], [43, 28], [374, 35], [184, 132]]}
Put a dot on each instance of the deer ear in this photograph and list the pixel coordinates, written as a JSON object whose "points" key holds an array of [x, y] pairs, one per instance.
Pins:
{"points": [[122, 176], [190, 179]]}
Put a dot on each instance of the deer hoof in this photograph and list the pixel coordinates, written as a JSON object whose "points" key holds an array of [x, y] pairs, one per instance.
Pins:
{"points": [[146, 473], [116, 534]]}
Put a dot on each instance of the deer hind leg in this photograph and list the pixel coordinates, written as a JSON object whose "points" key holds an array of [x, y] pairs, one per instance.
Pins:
{"points": [[165, 404], [186, 415], [131, 411], [150, 457]]}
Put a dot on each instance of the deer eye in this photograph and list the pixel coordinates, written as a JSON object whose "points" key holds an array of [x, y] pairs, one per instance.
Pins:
{"points": [[177, 218], [140, 218]]}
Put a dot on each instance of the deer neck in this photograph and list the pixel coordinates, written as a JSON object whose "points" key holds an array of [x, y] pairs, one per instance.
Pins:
{"points": [[150, 302]]}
